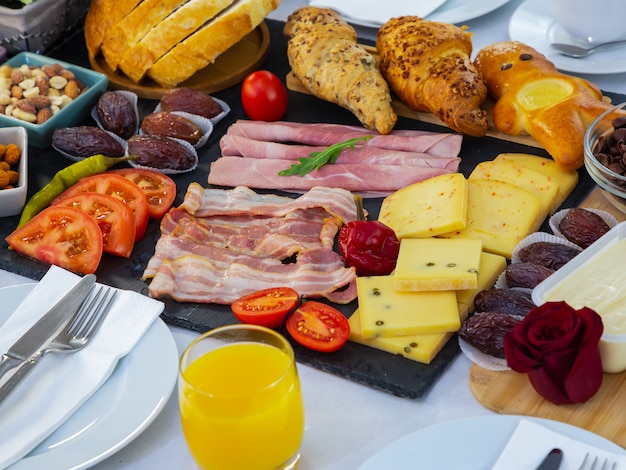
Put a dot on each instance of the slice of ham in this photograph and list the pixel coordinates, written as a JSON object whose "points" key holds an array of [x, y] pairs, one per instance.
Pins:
{"points": [[261, 173], [233, 145], [434, 143], [241, 200]]}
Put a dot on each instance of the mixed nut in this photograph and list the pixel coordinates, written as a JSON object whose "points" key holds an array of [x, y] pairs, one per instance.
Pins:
{"points": [[34, 94]]}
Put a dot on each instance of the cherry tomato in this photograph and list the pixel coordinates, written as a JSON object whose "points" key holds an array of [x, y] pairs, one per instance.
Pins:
{"points": [[264, 97], [160, 189], [267, 307], [63, 236], [115, 219], [120, 188], [318, 326]]}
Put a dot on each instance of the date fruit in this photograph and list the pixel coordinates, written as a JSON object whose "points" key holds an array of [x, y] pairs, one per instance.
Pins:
{"points": [[190, 101], [117, 114], [171, 125], [85, 141], [161, 152], [549, 254], [582, 227], [485, 331], [508, 301], [526, 275]]}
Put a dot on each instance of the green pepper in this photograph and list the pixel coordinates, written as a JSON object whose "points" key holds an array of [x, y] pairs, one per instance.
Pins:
{"points": [[66, 178]]}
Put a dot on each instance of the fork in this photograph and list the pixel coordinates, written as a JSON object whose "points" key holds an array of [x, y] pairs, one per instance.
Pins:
{"points": [[78, 334], [593, 465]]}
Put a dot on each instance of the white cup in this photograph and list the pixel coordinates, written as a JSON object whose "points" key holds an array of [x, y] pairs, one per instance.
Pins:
{"points": [[591, 21]]}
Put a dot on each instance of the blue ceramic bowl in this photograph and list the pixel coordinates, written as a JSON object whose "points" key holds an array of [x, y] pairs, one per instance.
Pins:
{"points": [[40, 135]]}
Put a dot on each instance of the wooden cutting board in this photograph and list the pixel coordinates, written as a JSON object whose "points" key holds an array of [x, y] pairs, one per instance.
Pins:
{"points": [[509, 392]]}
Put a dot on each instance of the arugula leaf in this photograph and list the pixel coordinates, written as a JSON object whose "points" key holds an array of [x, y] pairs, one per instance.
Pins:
{"points": [[319, 159]]}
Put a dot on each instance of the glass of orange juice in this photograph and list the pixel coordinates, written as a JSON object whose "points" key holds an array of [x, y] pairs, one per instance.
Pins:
{"points": [[240, 400]]}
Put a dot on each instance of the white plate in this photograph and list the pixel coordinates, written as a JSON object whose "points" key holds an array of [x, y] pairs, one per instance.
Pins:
{"points": [[472, 443], [451, 11], [118, 412], [533, 23]]}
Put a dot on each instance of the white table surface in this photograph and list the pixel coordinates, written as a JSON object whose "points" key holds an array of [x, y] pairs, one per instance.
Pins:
{"points": [[346, 423]]}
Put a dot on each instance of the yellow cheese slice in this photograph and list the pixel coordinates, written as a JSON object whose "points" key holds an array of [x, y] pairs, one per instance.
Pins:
{"points": [[491, 266], [437, 264], [387, 312], [500, 214], [566, 180], [420, 348], [427, 208], [543, 186]]}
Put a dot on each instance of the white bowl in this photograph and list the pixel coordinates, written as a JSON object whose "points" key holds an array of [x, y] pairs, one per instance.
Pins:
{"points": [[12, 200], [578, 277]]}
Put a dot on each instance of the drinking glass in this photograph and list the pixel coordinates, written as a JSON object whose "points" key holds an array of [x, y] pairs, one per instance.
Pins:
{"points": [[240, 400]]}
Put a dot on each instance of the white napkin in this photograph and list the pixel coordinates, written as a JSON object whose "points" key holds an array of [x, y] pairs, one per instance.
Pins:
{"points": [[531, 442], [378, 12], [61, 383]]}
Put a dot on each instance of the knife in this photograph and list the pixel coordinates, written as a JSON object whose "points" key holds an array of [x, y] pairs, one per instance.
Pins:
{"points": [[47, 326], [552, 460]]}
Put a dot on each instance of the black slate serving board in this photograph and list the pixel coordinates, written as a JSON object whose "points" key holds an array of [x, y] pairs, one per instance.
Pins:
{"points": [[390, 373]]}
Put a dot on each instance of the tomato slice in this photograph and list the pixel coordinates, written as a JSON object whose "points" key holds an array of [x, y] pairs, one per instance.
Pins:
{"points": [[115, 219], [318, 326], [267, 307], [63, 236], [120, 188], [160, 189]]}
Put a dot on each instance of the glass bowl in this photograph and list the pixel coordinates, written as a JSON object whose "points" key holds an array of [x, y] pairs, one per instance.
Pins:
{"points": [[612, 184]]}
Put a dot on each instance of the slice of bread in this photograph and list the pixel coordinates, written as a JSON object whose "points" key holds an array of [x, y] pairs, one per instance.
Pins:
{"points": [[204, 46], [101, 16]]}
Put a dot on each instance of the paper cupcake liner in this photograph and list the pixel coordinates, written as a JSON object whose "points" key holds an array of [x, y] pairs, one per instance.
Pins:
{"points": [[169, 171], [215, 119], [540, 237], [131, 97], [74, 158], [481, 359], [203, 123], [556, 219]]}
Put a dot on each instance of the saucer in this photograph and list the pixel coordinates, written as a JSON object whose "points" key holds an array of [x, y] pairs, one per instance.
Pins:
{"points": [[533, 23]]}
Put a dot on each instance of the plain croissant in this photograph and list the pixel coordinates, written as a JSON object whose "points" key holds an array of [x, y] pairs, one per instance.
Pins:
{"points": [[427, 64], [324, 55]]}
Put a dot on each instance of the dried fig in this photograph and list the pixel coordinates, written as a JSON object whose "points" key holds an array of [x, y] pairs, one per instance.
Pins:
{"points": [[526, 275], [485, 331], [161, 152], [85, 141], [171, 125], [582, 227], [549, 254], [117, 114], [508, 301], [190, 101]]}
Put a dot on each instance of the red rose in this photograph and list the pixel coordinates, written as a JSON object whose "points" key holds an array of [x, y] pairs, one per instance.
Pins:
{"points": [[558, 347]]}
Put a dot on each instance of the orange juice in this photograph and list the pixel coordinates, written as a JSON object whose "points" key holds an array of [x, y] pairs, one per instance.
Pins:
{"points": [[241, 407]]}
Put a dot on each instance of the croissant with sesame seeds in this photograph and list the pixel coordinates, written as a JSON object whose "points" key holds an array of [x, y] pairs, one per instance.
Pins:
{"points": [[427, 65]]}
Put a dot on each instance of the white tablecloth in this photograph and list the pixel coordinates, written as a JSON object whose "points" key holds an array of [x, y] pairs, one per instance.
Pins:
{"points": [[345, 422]]}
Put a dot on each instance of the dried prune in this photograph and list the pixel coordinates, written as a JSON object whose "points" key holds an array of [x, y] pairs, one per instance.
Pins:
{"points": [[85, 141], [161, 152], [508, 301], [582, 227], [552, 255], [171, 125], [485, 331], [117, 114], [190, 101], [526, 275]]}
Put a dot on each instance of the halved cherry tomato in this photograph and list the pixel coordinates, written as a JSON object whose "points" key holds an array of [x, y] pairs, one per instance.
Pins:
{"points": [[120, 188], [267, 307], [115, 219], [160, 189], [264, 97], [63, 236], [318, 326]]}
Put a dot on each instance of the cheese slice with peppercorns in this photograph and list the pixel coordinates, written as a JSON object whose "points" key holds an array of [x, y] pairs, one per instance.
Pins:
{"points": [[420, 348], [500, 214], [385, 311], [566, 180], [543, 186], [491, 266], [427, 208], [437, 264]]}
